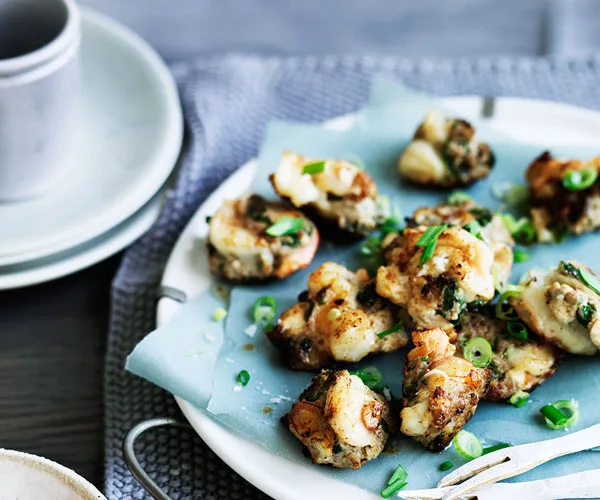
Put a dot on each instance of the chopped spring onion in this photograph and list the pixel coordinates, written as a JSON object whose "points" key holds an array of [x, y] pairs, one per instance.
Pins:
{"points": [[517, 330], [286, 226], [458, 197], [522, 230], [429, 241], [396, 328], [584, 276], [219, 314], [333, 314], [389, 225], [396, 482], [514, 195], [590, 280], [314, 168], [478, 351], [243, 378], [399, 474], [520, 256], [578, 180], [467, 445], [371, 247], [503, 312], [371, 376], [496, 447], [425, 359], [474, 228], [447, 465], [263, 310], [519, 399], [561, 414]]}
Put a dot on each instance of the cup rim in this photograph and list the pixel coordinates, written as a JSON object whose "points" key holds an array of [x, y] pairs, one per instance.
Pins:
{"points": [[15, 65], [70, 478]]}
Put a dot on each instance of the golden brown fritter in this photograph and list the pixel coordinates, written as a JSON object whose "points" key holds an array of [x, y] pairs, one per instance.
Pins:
{"points": [[342, 199], [437, 292], [517, 365], [440, 391], [556, 210], [560, 307], [445, 152], [239, 249], [341, 421], [492, 229], [337, 319]]}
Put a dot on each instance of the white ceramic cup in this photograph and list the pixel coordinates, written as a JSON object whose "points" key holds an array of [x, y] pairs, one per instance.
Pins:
{"points": [[39, 94], [28, 477]]}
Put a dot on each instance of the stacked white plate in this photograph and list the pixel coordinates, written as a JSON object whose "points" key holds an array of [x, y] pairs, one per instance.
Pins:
{"points": [[131, 135]]}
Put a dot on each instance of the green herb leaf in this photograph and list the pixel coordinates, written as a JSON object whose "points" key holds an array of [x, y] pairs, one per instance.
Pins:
{"points": [[314, 168], [370, 375], [429, 240], [286, 226], [578, 180], [396, 328]]}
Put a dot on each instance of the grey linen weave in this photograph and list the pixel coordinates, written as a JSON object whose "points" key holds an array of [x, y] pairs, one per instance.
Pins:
{"points": [[227, 102]]}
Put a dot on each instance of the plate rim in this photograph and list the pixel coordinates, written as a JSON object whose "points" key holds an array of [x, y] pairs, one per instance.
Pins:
{"points": [[213, 432], [157, 169]]}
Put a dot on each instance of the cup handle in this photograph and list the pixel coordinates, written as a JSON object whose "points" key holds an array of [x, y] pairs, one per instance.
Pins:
{"points": [[131, 460]]}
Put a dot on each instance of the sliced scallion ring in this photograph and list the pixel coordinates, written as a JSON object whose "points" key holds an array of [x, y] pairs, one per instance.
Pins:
{"points": [[243, 378], [517, 330], [396, 482], [389, 225], [506, 313], [286, 226], [370, 375], [314, 168], [467, 445], [478, 351], [561, 414], [263, 310], [578, 180], [519, 399], [458, 197], [429, 240], [447, 465]]}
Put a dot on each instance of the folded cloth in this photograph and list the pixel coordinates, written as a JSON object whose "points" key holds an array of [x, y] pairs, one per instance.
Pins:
{"points": [[227, 102]]}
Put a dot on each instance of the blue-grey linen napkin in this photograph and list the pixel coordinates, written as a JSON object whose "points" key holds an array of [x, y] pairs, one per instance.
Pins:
{"points": [[227, 102]]}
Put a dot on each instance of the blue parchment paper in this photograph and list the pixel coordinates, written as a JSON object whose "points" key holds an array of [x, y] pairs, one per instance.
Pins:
{"points": [[179, 357]]}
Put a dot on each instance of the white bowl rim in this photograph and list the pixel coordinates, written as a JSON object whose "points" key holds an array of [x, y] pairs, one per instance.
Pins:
{"points": [[70, 478], [31, 60]]}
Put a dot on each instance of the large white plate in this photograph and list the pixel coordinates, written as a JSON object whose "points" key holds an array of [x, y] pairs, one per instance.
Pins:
{"points": [[131, 133], [532, 121]]}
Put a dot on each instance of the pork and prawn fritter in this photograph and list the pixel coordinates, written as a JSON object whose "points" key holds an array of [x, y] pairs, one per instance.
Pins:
{"points": [[440, 390], [341, 421], [338, 318]]}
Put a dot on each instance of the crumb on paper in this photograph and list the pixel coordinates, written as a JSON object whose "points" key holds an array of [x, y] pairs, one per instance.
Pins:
{"points": [[251, 330]]}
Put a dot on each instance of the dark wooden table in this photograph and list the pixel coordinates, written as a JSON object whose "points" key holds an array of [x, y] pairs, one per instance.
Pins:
{"points": [[52, 346]]}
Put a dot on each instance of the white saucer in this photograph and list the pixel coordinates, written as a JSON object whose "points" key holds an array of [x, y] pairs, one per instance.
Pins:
{"points": [[84, 255], [132, 130], [537, 122]]}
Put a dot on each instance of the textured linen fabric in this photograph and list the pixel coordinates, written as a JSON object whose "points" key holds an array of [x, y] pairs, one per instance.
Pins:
{"points": [[227, 103]]}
